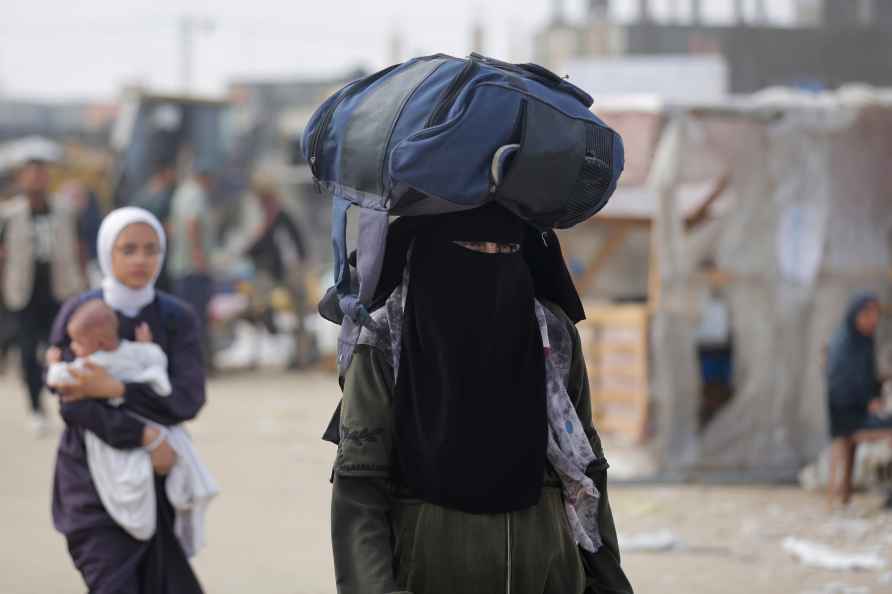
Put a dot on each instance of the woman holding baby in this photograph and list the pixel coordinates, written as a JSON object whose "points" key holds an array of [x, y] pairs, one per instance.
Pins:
{"points": [[125, 415]]}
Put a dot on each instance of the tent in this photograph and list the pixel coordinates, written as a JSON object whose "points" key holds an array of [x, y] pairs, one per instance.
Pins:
{"points": [[798, 218]]}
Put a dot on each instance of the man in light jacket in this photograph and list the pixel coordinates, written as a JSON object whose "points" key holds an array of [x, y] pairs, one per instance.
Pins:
{"points": [[40, 267]]}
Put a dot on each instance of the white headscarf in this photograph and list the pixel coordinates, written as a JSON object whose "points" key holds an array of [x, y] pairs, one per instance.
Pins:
{"points": [[119, 296]]}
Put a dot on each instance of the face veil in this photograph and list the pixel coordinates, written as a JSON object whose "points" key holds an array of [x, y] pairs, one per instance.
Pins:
{"points": [[470, 409]]}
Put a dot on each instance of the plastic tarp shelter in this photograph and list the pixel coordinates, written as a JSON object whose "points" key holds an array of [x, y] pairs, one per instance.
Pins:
{"points": [[806, 222]]}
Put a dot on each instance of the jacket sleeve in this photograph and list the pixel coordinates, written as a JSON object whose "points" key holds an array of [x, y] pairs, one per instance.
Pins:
{"points": [[111, 425], [604, 573], [362, 539], [187, 378]]}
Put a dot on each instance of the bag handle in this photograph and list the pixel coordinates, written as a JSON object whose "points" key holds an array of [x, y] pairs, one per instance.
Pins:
{"points": [[539, 74]]}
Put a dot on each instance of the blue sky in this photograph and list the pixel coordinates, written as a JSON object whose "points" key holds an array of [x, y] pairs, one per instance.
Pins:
{"points": [[89, 48]]}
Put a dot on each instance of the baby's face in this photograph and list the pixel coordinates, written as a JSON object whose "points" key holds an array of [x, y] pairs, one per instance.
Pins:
{"points": [[89, 341], [84, 344]]}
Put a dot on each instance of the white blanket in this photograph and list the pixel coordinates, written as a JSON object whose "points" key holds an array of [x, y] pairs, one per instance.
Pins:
{"points": [[190, 488]]}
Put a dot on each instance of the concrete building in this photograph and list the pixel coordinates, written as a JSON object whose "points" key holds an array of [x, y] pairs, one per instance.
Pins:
{"points": [[640, 78], [833, 42]]}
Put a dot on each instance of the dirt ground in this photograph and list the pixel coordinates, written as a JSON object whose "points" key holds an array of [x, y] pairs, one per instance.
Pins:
{"points": [[268, 531]]}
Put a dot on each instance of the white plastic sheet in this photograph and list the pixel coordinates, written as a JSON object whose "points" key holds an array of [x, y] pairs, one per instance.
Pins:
{"points": [[813, 554]]}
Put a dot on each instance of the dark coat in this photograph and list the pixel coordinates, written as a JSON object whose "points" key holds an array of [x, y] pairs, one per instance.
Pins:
{"points": [[852, 378]]}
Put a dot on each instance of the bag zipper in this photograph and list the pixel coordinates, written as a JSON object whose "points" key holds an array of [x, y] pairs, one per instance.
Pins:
{"points": [[539, 74], [326, 118], [508, 541], [438, 114]]}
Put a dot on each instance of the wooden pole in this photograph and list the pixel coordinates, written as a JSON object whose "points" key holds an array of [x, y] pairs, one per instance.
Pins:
{"points": [[616, 234]]}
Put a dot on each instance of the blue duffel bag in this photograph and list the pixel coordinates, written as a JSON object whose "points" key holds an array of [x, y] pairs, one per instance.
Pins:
{"points": [[438, 134]]}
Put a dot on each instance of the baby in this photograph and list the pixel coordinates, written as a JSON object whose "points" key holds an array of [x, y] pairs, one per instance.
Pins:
{"points": [[124, 479], [93, 329]]}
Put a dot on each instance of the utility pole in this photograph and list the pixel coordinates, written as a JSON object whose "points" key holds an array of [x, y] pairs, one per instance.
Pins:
{"points": [[674, 11], [558, 15], [696, 12], [739, 17], [761, 12], [478, 37], [188, 27], [644, 14], [598, 10], [395, 45]]}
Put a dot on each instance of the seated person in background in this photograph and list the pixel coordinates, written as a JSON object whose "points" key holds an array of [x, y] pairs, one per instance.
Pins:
{"points": [[853, 390], [124, 479]]}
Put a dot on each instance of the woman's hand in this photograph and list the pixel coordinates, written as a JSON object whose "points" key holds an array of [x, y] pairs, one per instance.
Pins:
{"points": [[53, 355], [92, 381], [143, 333], [163, 457], [876, 406]]}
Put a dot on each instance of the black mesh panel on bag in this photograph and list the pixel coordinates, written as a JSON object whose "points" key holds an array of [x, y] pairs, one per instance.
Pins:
{"points": [[595, 176]]}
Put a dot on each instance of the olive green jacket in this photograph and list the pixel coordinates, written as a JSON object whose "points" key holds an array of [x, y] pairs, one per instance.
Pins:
{"points": [[385, 541]]}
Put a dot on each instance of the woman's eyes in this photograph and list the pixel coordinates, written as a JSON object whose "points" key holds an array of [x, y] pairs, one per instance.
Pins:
{"points": [[489, 247], [132, 250]]}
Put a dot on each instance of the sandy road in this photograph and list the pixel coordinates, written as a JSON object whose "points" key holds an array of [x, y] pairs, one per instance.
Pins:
{"points": [[268, 531]]}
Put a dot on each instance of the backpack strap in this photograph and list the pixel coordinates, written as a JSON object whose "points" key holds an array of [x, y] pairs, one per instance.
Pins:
{"points": [[369, 258]]}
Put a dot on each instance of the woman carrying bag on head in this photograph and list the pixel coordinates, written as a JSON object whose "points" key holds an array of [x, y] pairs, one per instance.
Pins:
{"points": [[467, 460]]}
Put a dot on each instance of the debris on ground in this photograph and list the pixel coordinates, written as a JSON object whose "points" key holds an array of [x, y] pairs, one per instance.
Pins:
{"points": [[813, 554], [652, 542], [838, 588]]}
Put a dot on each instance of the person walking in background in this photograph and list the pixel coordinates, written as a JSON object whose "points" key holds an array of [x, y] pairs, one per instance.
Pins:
{"points": [[42, 265], [853, 391], [192, 240], [157, 195], [157, 198], [278, 250], [278, 245]]}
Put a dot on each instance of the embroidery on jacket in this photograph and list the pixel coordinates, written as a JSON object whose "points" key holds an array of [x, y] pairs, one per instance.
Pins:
{"points": [[361, 436]]}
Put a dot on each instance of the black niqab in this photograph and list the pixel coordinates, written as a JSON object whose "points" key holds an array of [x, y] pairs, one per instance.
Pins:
{"points": [[469, 404], [541, 251]]}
